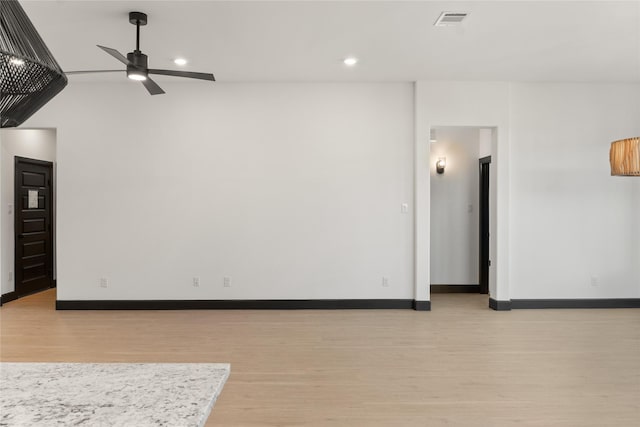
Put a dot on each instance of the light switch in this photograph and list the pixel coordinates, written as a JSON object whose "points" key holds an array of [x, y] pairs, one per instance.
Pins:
{"points": [[404, 208]]}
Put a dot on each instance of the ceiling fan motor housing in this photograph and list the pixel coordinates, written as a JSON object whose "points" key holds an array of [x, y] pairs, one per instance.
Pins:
{"points": [[138, 59], [137, 63]]}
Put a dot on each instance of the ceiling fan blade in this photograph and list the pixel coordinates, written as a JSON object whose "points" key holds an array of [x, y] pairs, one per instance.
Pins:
{"points": [[188, 74], [152, 87], [120, 57], [93, 72]]}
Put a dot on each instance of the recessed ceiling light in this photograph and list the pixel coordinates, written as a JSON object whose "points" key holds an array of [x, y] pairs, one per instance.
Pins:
{"points": [[16, 61], [350, 61], [180, 61]]}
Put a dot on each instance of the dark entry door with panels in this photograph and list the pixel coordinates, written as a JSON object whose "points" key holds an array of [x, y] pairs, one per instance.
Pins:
{"points": [[485, 262], [33, 226]]}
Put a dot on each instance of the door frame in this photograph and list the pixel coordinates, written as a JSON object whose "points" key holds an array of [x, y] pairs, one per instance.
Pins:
{"points": [[17, 204], [484, 226]]}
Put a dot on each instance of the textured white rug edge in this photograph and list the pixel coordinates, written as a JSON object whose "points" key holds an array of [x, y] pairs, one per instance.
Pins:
{"points": [[202, 414], [216, 395]]}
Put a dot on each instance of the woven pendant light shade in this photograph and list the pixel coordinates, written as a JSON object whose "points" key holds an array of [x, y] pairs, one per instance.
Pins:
{"points": [[29, 75], [625, 157]]}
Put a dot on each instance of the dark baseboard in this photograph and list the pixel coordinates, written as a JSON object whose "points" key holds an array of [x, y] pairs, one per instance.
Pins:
{"points": [[455, 289], [9, 296], [576, 303], [422, 305], [518, 304], [338, 304], [499, 305]]}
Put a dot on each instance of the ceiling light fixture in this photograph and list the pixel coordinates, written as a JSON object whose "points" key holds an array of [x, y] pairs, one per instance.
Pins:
{"points": [[29, 74], [137, 76], [138, 63], [624, 157], [180, 61], [135, 73], [350, 61]]}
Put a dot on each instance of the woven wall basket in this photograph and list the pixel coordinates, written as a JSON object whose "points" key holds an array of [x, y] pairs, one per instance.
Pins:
{"points": [[625, 157]]}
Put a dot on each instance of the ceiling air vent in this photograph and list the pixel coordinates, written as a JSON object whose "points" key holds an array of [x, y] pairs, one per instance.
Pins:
{"points": [[450, 18]]}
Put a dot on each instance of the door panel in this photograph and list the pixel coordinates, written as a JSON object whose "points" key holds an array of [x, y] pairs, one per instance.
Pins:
{"points": [[33, 226], [34, 249], [33, 179]]}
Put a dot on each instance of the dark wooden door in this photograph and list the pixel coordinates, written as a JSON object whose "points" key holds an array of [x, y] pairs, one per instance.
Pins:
{"points": [[485, 262], [33, 226]]}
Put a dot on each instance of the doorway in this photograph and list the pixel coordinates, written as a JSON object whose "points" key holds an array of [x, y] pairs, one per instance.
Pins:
{"points": [[33, 227], [462, 196]]}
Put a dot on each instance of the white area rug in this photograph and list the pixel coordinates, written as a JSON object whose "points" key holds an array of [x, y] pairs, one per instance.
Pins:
{"points": [[109, 394]]}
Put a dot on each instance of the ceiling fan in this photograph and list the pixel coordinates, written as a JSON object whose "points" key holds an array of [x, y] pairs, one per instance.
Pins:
{"points": [[136, 62]]}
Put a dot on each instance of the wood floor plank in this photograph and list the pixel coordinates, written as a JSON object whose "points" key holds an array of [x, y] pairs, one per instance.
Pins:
{"points": [[461, 364]]}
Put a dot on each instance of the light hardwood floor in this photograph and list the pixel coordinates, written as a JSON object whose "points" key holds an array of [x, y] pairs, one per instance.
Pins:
{"points": [[459, 365]]}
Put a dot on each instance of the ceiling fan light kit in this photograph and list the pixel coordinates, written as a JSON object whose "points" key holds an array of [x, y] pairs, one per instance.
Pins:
{"points": [[137, 63]]}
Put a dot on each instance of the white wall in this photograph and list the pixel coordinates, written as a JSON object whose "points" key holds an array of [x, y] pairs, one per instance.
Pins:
{"points": [[37, 144], [485, 136], [571, 220], [561, 218], [635, 230], [292, 190], [454, 207]]}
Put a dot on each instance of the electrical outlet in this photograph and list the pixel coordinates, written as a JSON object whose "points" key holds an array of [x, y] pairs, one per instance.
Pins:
{"points": [[11, 276], [385, 282], [196, 282], [104, 282], [226, 282], [594, 281]]}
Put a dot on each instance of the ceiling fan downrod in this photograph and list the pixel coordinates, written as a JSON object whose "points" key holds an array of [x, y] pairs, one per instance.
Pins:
{"points": [[138, 19]]}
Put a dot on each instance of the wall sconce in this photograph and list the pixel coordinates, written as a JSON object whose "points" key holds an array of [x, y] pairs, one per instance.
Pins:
{"points": [[440, 164], [624, 156]]}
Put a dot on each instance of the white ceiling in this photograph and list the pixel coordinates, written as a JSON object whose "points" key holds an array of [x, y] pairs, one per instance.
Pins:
{"points": [[581, 41]]}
